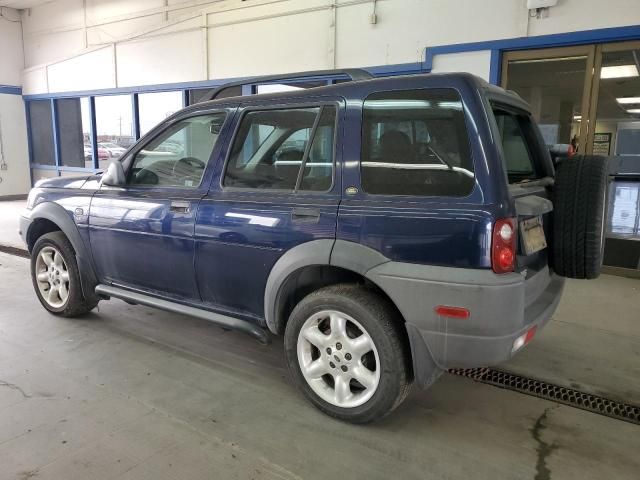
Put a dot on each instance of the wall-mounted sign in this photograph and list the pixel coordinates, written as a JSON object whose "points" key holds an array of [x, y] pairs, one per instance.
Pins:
{"points": [[602, 143]]}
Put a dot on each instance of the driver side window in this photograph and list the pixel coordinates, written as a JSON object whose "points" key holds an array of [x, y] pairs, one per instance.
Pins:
{"points": [[178, 156]]}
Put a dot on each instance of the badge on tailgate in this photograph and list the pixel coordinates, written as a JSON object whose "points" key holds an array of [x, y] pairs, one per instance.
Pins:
{"points": [[532, 233]]}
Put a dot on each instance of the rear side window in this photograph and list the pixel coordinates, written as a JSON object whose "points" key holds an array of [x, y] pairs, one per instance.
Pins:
{"points": [[289, 149], [518, 157], [415, 142]]}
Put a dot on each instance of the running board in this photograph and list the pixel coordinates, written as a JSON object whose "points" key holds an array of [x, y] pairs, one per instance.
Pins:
{"points": [[222, 320]]}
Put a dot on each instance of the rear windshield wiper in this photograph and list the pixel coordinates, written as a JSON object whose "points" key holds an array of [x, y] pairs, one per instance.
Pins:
{"points": [[439, 157]]}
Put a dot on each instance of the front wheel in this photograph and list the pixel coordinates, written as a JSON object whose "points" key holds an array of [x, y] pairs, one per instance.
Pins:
{"points": [[55, 276], [348, 353]]}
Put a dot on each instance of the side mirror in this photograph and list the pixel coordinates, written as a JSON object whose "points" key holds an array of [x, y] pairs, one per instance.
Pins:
{"points": [[114, 176]]}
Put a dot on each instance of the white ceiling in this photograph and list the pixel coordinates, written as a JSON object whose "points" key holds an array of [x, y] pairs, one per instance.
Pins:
{"points": [[19, 4]]}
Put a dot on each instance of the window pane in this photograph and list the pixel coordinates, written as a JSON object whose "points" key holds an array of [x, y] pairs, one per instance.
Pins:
{"points": [[74, 130], [318, 172], [624, 210], [618, 113], [114, 124], [41, 132], [554, 88], [268, 149], [520, 165], [177, 157], [415, 142], [155, 107]]}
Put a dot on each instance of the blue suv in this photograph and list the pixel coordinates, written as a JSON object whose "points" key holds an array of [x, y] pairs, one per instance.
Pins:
{"points": [[388, 228]]}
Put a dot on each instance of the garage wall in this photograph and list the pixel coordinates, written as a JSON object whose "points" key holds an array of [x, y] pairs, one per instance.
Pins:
{"points": [[159, 41], [14, 164]]}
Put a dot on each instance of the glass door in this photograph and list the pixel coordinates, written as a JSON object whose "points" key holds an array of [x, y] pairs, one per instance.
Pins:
{"points": [[557, 83], [615, 113]]}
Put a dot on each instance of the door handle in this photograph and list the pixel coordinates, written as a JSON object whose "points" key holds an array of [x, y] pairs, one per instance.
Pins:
{"points": [[177, 206], [305, 215]]}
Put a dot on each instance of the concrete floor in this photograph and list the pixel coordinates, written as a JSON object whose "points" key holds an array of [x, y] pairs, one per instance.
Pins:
{"points": [[9, 212], [133, 393]]}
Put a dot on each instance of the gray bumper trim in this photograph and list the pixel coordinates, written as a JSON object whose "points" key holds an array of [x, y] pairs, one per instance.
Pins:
{"points": [[502, 307]]}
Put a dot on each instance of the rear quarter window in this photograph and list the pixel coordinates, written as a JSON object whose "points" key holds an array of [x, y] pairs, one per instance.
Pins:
{"points": [[519, 146], [415, 142]]}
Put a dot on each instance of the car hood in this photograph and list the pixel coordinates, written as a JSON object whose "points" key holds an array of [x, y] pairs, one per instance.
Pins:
{"points": [[76, 181]]}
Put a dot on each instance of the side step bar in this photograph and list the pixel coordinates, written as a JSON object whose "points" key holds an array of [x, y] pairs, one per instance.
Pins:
{"points": [[222, 320]]}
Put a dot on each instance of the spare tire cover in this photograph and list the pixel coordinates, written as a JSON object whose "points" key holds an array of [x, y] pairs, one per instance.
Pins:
{"points": [[579, 211]]}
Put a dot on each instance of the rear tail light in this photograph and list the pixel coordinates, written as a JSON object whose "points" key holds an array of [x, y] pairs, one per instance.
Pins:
{"points": [[503, 245], [523, 339]]}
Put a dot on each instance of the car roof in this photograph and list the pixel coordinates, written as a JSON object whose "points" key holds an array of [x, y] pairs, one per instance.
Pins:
{"points": [[349, 89]]}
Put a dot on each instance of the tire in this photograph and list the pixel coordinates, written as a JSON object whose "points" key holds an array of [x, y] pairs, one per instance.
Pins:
{"points": [[383, 364], [579, 210], [61, 273]]}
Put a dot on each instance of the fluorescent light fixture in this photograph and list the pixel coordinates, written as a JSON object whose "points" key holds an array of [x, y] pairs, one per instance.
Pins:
{"points": [[628, 100], [577, 118], [619, 71], [634, 111]]}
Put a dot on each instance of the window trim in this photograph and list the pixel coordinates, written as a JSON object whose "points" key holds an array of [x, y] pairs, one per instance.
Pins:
{"points": [[418, 198], [128, 158], [263, 108]]}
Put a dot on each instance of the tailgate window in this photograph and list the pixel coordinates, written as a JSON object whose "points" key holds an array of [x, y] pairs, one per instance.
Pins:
{"points": [[518, 140]]}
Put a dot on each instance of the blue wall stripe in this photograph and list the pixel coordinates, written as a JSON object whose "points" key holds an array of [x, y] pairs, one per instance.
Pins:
{"points": [[497, 47], [10, 90], [93, 131], [56, 134]]}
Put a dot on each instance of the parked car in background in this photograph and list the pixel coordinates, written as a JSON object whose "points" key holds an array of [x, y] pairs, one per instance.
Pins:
{"points": [[389, 229], [115, 151], [103, 153]]}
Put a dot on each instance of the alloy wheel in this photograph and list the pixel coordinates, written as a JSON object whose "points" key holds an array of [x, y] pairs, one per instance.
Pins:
{"points": [[338, 359], [52, 277]]}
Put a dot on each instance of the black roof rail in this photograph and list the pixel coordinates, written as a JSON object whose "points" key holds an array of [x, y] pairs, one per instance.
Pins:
{"points": [[354, 74]]}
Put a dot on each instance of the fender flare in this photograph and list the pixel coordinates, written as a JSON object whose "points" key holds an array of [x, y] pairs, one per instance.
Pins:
{"points": [[315, 252], [339, 253], [55, 213]]}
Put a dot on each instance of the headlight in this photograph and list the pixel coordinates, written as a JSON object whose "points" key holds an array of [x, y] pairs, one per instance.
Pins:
{"points": [[34, 193]]}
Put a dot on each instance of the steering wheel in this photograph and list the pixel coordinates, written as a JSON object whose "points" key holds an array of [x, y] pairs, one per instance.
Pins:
{"points": [[190, 161]]}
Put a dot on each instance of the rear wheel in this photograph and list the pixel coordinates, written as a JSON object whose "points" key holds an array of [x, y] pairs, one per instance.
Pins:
{"points": [[347, 353], [579, 210], [55, 276]]}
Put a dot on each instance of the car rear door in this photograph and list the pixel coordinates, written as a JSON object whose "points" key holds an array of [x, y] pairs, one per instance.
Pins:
{"points": [[277, 189], [141, 234], [530, 176]]}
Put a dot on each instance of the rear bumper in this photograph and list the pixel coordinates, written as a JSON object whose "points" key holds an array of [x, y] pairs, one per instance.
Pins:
{"points": [[502, 308]]}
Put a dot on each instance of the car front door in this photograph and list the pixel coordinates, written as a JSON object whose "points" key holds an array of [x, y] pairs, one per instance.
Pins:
{"points": [[141, 233], [277, 189]]}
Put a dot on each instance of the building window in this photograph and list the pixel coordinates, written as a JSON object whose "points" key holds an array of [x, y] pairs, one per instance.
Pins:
{"points": [[155, 107], [271, 150], [74, 127], [114, 125], [415, 142], [41, 132]]}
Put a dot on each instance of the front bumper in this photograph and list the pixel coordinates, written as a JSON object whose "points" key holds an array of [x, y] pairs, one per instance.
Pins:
{"points": [[23, 226], [502, 308]]}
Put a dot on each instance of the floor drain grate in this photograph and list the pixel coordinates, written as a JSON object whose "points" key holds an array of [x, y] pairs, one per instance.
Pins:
{"points": [[549, 391]]}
